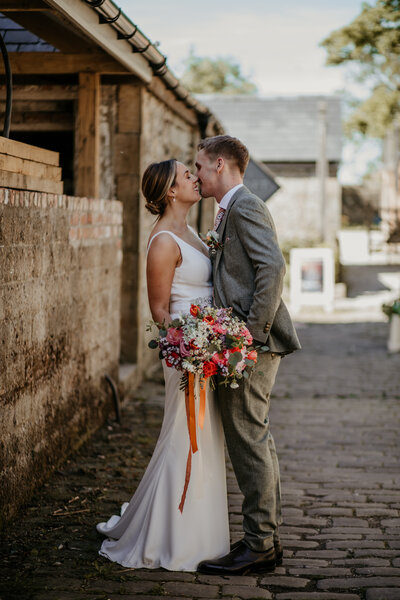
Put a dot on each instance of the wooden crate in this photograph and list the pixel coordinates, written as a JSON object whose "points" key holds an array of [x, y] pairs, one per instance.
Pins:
{"points": [[25, 167]]}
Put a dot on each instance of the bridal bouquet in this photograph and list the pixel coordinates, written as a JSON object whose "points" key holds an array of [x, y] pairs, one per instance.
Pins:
{"points": [[207, 341]]}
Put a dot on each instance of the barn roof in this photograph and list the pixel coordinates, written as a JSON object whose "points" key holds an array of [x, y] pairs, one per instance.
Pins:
{"points": [[279, 129], [18, 39]]}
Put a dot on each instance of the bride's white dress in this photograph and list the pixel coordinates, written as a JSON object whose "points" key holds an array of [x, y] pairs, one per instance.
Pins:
{"points": [[151, 531]]}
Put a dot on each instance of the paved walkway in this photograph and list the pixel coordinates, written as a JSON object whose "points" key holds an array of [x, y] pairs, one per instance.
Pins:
{"points": [[335, 419]]}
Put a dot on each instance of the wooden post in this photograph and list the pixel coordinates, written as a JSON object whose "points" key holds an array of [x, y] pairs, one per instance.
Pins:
{"points": [[87, 155], [322, 166]]}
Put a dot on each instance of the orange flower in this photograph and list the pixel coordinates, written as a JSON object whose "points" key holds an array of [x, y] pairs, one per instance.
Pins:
{"points": [[209, 319], [194, 310], [252, 355]]}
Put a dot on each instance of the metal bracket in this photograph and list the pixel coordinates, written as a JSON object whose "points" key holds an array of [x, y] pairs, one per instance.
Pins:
{"points": [[127, 36], [141, 50], [103, 19]]}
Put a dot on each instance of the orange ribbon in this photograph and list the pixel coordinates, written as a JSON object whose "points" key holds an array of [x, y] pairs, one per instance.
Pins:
{"points": [[202, 407], [191, 422]]}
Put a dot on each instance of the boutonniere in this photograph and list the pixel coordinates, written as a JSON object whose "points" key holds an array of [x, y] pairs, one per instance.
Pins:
{"points": [[212, 240]]}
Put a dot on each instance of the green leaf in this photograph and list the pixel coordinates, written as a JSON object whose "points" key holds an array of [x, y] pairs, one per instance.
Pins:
{"points": [[162, 333], [176, 322], [153, 344], [235, 358], [231, 341], [212, 348]]}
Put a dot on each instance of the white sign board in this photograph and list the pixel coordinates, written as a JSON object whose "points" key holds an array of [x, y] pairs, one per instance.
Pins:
{"points": [[312, 278]]}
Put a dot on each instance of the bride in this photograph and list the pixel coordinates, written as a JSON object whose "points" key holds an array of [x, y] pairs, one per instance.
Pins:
{"points": [[152, 532]]}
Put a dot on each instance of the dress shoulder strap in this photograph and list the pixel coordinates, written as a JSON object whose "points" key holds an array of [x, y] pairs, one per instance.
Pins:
{"points": [[163, 231]]}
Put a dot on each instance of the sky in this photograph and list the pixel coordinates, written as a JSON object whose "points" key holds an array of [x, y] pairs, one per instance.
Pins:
{"points": [[275, 43]]}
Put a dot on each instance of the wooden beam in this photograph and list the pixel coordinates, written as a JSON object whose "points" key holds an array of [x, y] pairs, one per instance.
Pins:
{"points": [[87, 155], [14, 148], [41, 92], [29, 167], [45, 121], [46, 63], [37, 106], [26, 182], [23, 5]]}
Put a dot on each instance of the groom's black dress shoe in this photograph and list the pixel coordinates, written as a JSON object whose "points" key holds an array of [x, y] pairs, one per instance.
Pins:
{"points": [[239, 561], [277, 546]]}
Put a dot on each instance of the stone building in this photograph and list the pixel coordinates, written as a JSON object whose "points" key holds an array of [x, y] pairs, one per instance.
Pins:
{"points": [[299, 140], [92, 95], [390, 189]]}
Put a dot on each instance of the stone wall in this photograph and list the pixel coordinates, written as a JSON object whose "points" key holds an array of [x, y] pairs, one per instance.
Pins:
{"points": [[296, 210], [60, 331]]}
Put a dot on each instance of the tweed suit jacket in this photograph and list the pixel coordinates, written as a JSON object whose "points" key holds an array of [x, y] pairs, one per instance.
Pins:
{"points": [[248, 272]]}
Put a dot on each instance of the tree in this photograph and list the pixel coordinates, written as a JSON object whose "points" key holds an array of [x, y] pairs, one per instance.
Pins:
{"points": [[204, 75], [372, 43]]}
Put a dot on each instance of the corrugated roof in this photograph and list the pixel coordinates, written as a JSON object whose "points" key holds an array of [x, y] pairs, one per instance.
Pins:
{"points": [[279, 129], [18, 39]]}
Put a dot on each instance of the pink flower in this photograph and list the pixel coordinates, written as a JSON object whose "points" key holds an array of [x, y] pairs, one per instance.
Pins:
{"points": [[219, 359], [247, 335], [174, 336], [219, 328], [183, 349]]}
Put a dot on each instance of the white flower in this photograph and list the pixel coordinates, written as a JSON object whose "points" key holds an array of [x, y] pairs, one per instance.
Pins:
{"points": [[187, 366], [234, 385]]}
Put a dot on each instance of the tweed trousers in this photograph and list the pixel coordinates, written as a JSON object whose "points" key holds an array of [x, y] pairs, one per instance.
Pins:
{"points": [[251, 448]]}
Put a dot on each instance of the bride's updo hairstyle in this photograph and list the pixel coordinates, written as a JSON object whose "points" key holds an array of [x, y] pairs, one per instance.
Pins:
{"points": [[156, 181]]}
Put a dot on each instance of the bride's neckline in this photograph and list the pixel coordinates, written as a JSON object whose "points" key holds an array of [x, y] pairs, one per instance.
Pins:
{"points": [[182, 240]]}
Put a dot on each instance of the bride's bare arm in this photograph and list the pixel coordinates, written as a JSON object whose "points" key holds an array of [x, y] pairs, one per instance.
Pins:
{"points": [[163, 257]]}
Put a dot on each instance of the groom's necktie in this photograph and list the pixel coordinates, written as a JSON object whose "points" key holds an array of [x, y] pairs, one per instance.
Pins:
{"points": [[218, 218]]}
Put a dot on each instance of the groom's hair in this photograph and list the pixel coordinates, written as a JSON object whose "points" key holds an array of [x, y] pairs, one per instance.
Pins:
{"points": [[228, 147]]}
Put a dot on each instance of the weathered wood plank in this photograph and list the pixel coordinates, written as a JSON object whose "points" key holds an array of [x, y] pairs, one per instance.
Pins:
{"points": [[29, 152], [29, 167], [40, 63], [26, 182], [23, 5], [87, 155], [41, 92], [38, 106]]}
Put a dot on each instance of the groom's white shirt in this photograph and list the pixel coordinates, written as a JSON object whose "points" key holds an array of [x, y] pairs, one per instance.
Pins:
{"points": [[225, 199]]}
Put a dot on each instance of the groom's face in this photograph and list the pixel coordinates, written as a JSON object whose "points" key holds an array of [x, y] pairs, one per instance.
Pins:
{"points": [[206, 172]]}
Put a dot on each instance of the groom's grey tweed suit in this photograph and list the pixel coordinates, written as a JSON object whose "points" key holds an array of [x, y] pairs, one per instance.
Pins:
{"points": [[248, 275]]}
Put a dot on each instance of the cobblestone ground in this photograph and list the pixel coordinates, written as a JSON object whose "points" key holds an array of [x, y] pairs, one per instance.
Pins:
{"points": [[335, 419]]}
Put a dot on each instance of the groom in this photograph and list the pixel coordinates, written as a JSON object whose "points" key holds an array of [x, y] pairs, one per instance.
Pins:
{"points": [[248, 271]]}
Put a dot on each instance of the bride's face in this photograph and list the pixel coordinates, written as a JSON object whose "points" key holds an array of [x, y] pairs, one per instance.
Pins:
{"points": [[186, 187]]}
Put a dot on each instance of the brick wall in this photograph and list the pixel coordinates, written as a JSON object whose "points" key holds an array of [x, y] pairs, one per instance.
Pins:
{"points": [[60, 334]]}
